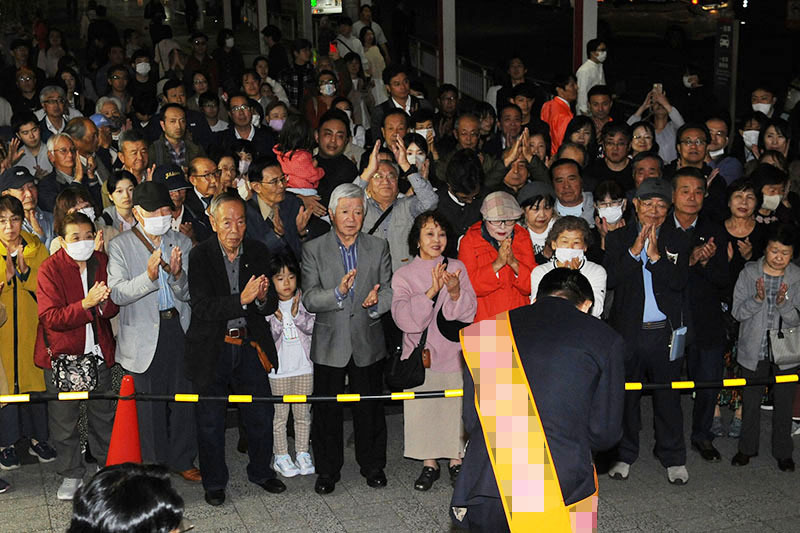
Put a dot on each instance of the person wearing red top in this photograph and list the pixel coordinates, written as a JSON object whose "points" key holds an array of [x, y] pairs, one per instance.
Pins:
{"points": [[74, 312], [498, 255], [557, 112]]}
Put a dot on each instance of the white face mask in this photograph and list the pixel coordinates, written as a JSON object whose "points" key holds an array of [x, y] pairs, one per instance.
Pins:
{"points": [[243, 190], [771, 201], [565, 255], [686, 82], [716, 153], [424, 132], [88, 211], [750, 137], [81, 250], [764, 108], [601, 56], [327, 89], [611, 214], [229, 42], [255, 121], [420, 158], [157, 225], [244, 166], [143, 69]]}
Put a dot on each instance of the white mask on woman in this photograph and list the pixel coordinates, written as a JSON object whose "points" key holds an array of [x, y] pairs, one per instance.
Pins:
{"points": [[80, 250], [612, 214], [565, 255]]}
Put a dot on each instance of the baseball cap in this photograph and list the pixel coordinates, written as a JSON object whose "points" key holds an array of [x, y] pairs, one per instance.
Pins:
{"points": [[654, 188], [500, 206], [15, 178], [172, 176], [152, 196], [100, 120]]}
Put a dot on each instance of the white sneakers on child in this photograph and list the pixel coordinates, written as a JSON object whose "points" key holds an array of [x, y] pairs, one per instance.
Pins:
{"points": [[68, 488], [285, 466], [304, 463]]}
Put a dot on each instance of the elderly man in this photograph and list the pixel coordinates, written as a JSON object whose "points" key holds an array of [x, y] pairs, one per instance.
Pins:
{"points": [[172, 176], [91, 156], [467, 134], [645, 165], [174, 145], [62, 154], [346, 282], [34, 154], [648, 266], [203, 174], [567, 179], [148, 280], [241, 127], [21, 184], [133, 153], [229, 345], [54, 103]]}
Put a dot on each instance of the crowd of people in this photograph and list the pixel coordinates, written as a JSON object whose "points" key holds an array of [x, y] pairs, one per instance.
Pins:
{"points": [[283, 227]]}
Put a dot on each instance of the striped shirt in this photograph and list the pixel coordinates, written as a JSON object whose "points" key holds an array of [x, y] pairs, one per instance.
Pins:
{"points": [[771, 286], [350, 262]]}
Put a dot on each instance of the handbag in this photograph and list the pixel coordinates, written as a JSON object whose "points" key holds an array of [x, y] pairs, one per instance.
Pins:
{"points": [[784, 345], [408, 373]]}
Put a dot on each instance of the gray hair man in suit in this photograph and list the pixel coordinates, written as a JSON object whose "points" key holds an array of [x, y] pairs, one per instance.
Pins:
{"points": [[346, 282], [148, 279]]}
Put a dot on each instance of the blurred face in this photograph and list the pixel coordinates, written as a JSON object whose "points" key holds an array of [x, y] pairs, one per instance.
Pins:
{"points": [[616, 147], [10, 226], [200, 83], [644, 169], [743, 204], [21, 54], [642, 140], [432, 240], [692, 146], [524, 103], [538, 216], [569, 92], [63, 156], [518, 174], [582, 136], [118, 80], [174, 124], [326, 79], [651, 210], [53, 104], [448, 103], [262, 67], [369, 39], [241, 113], [177, 95], [134, 156], [178, 197], [511, 122], [210, 110], [567, 184], [332, 138], [383, 184], [227, 172], [394, 127], [468, 133], [348, 218], [204, 177], [30, 135], [110, 110], [775, 140], [123, 194], [575, 154], [516, 69], [687, 196], [279, 113], [251, 85], [228, 221], [345, 29], [570, 239], [778, 189], [719, 134], [487, 125], [69, 80], [777, 256], [285, 283], [399, 87], [353, 67], [538, 146], [26, 82], [116, 55], [366, 16], [600, 106], [27, 194], [272, 187], [199, 46], [760, 96]]}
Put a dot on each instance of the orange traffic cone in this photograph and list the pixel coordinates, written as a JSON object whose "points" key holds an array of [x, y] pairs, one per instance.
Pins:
{"points": [[125, 447]]}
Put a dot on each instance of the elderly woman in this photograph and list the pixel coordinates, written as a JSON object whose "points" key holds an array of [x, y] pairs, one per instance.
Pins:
{"points": [[74, 310], [498, 256], [763, 301], [427, 287], [22, 254]]}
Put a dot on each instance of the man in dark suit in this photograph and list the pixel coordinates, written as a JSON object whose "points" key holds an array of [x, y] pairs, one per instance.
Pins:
{"points": [[229, 344], [203, 174], [241, 127], [648, 266], [396, 79], [346, 282], [575, 369]]}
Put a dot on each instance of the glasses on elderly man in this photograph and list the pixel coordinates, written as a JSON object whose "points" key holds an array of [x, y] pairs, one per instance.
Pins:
{"points": [[501, 223]]}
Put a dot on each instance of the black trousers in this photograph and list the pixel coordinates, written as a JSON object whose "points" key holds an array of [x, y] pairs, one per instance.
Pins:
{"points": [[783, 396], [238, 367], [704, 364], [369, 421], [650, 362]]}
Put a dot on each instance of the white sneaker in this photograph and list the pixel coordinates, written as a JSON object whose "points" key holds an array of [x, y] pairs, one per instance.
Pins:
{"points": [[795, 427], [619, 470], [678, 475], [68, 488], [285, 466], [304, 463]]}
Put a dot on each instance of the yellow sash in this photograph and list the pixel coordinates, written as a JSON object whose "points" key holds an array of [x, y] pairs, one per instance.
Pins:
{"points": [[518, 449]]}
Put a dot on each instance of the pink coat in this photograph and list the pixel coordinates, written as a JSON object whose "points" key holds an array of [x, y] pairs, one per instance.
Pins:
{"points": [[298, 165]]}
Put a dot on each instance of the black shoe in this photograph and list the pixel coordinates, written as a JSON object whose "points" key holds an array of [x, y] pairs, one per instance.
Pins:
{"points": [[741, 459], [215, 497], [273, 486], [426, 478], [87, 455], [241, 446], [376, 479], [786, 465], [707, 451], [455, 470], [326, 484]]}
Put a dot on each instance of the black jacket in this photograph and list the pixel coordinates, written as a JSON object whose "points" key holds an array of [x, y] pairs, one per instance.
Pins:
{"points": [[262, 140], [263, 230], [195, 212], [213, 305]]}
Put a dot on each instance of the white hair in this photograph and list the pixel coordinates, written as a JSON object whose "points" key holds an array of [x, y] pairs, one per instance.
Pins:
{"points": [[51, 142], [103, 100], [49, 89], [346, 190]]}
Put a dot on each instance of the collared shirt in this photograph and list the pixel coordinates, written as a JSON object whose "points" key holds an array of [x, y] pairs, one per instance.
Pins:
{"points": [[678, 224], [178, 156], [651, 311], [232, 270], [386, 223], [407, 107], [249, 135], [52, 128], [166, 300], [203, 199], [124, 224], [176, 221], [588, 75], [350, 262], [45, 222], [63, 178], [267, 212]]}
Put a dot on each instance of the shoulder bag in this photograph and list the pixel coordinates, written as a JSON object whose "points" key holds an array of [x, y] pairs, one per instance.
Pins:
{"points": [[784, 345]]}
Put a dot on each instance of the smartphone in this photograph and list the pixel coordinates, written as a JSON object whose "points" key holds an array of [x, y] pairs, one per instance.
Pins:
{"points": [[658, 87], [332, 49]]}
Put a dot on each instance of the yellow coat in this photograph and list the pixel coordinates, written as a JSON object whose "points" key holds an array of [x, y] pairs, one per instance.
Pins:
{"points": [[24, 318]]}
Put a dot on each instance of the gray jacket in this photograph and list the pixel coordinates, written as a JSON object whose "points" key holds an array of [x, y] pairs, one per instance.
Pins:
{"points": [[137, 296], [396, 226], [346, 329], [752, 314]]}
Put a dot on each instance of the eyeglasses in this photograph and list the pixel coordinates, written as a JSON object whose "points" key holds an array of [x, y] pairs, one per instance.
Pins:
{"points": [[25, 78], [284, 179], [501, 223], [54, 101], [208, 176], [240, 108], [7, 221], [619, 144], [655, 205], [200, 82], [388, 177], [689, 142], [63, 151]]}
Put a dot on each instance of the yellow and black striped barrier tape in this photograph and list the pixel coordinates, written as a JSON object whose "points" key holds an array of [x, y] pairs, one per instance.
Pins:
{"points": [[350, 398]]}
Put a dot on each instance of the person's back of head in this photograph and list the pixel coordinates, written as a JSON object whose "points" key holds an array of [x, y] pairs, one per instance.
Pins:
{"points": [[464, 172], [296, 134], [568, 284], [127, 498]]}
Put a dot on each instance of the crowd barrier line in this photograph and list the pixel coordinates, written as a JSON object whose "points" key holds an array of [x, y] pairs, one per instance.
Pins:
{"points": [[350, 398]]}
